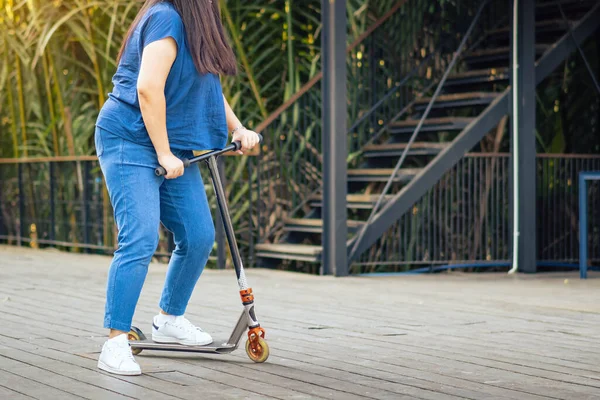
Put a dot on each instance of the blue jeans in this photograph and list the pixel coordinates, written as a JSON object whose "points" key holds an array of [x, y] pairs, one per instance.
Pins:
{"points": [[140, 201]]}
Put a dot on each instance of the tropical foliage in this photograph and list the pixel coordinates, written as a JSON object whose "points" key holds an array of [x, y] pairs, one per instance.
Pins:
{"points": [[58, 58]]}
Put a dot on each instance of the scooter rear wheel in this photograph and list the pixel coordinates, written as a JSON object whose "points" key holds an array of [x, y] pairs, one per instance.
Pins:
{"points": [[135, 334], [260, 352]]}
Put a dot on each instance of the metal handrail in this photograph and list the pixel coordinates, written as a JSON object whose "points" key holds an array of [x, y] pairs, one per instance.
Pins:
{"points": [[390, 180]]}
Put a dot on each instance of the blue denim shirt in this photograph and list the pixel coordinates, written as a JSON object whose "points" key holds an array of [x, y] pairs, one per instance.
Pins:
{"points": [[195, 108]]}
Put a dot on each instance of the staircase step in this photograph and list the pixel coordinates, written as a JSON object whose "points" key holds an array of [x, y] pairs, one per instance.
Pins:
{"points": [[457, 100], [381, 174], [430, 125], [545, 26], [353, 201], [396, 149], [284, 251], [497, 53], [492, 75], [313, 225], [570, 7]]}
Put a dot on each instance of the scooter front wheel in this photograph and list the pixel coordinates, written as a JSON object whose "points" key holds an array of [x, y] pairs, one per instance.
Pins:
{"points": [[258, 351], [136, 334]]}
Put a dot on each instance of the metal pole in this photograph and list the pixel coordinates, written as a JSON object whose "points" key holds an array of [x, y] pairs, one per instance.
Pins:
{"points": [[52, 201], [523, 139], [21, 205], [220, 230], [335, 146], [85, 204], [582, 227], [227, 225]]}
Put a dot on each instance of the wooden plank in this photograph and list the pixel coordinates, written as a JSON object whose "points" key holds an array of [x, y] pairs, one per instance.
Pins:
{"points": [[318, 222], [353, 198], [145, 386], [540, 48], [289, 248], [218, 389], [459, 96], [480, 72], [30, 387], [432, 121], [402, 146], [63, 386], [382, 171], [6, 393]]}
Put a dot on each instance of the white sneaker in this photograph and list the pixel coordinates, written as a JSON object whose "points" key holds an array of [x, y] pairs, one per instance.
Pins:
{"points": [[179, 330], [116, 357]]}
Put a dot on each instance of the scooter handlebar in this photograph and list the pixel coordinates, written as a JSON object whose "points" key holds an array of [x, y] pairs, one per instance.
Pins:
{"points": [[234, 146]]}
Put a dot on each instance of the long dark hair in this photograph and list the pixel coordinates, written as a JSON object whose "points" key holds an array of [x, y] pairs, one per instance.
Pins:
{"points": [[206, 38]]}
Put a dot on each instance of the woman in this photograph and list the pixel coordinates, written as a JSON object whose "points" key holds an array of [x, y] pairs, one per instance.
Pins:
{"points": [[166, 102]]}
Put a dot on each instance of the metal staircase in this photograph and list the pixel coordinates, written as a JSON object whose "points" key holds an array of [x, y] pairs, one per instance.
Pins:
{"points": [[472, 102]]}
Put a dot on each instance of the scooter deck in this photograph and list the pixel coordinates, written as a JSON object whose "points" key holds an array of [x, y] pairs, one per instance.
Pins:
{"points": [[218, 346]]}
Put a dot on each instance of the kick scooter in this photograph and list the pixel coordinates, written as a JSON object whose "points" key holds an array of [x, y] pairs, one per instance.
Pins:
{"points": [[256, 347]]}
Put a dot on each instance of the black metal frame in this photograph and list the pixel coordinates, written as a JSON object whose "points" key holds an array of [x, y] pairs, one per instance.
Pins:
{"points": [[413, 137], [524, 81], [469, 137], [335, 147]]}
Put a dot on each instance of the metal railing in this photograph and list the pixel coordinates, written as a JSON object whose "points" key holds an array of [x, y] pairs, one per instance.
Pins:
{"points": [[62, 202], [466, 218], [439, 85], [388, 66]]}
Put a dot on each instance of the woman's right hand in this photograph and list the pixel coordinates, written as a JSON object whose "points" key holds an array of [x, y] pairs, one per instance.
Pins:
{"points": [[172, 164]]}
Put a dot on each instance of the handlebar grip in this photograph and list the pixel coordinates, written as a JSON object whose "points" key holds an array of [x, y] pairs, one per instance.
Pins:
{"points": [[160, 171], [237, 145]]}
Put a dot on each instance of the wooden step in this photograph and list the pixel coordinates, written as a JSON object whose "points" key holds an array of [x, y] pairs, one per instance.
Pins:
{"points": [[284, 251], [498, 53], [492, 75], [540, 26], [458, 100], [430, 125], [396, 149], [313, 225], [353, 201], [381, 174], [570, 7], [480, 72]]}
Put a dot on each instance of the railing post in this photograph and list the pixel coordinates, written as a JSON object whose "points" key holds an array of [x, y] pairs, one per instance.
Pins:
{"points": [[52, 201], [583, 226], [85, 202], [523, 142], [220, 230], [21, 205], [335, 146]]}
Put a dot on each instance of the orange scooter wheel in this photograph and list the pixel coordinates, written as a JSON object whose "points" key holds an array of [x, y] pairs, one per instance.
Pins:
{"points": [[257, 351], [135, 334]]}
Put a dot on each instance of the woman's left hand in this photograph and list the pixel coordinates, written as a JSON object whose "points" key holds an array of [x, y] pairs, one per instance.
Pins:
{"points": [[247, 138]]}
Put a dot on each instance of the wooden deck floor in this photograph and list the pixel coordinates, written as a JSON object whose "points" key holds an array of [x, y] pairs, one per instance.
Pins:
{"points": [[420, 337]]}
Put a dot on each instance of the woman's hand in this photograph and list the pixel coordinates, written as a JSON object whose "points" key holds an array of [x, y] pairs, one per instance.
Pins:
{"points": [[172, 164], [247, 138]]}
